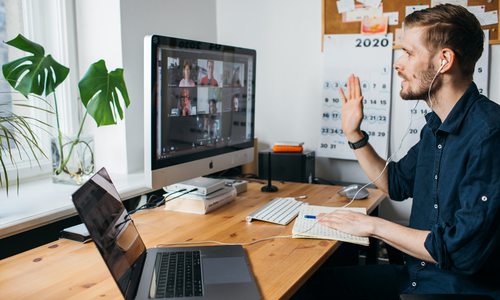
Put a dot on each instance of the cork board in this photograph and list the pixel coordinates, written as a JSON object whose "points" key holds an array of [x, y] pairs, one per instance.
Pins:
{"points": [[332, 20]]}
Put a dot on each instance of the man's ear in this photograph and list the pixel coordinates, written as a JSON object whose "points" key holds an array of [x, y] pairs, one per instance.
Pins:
{"points": [[447, 58]]}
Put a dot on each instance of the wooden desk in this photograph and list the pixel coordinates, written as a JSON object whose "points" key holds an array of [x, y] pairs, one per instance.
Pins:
{"points": [[66, 269]]}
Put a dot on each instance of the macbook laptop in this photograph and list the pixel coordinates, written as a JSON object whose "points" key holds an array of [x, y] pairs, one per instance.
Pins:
{"points": [[218, 272]]}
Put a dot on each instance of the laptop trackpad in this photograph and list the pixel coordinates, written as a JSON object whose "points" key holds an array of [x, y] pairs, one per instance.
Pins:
{"points": [[225, 270]]}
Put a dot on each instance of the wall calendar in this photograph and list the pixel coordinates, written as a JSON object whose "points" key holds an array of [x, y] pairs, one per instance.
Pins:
{"points": [[370, 58]]}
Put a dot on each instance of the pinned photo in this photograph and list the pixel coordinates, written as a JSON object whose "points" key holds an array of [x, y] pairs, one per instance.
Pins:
{"points": [[360, 12], [374, 25]]}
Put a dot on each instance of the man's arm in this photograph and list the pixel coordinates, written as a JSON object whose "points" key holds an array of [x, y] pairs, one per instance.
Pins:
{"points": [[352, 115], [410, 241], [372, 164]]}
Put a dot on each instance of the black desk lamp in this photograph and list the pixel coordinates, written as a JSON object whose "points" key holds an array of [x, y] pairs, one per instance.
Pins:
{"points": [[269, 188]]}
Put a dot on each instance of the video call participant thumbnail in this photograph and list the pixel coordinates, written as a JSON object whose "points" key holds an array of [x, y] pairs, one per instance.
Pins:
{"points": [[209, 79]]}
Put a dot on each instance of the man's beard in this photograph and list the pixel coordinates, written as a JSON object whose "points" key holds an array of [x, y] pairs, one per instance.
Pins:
{"points": [[422, 93]]}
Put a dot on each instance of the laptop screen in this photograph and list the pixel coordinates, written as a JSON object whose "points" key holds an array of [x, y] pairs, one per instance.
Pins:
{"points": [[112, 230]]}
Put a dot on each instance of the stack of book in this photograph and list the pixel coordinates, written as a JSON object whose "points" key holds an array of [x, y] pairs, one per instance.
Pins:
{"points": [[290, 147]]}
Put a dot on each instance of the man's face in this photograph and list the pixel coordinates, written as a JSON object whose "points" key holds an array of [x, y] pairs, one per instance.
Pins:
{"points": [[415, 66]]}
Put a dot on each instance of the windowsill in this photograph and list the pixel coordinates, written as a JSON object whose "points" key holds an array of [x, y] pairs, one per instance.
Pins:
{"points": [[41, 202]]}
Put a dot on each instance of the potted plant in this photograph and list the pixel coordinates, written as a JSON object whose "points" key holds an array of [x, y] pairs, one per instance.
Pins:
{"points": [[39, 75]]}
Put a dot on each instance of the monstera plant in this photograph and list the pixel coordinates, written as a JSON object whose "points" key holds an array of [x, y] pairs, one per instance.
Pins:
{"points": [[39, 75]]}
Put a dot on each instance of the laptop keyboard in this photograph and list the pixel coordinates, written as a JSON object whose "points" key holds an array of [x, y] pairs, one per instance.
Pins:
{"points": [[179, 274]]}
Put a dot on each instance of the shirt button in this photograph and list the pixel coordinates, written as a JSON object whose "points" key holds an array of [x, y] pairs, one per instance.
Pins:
{"points": [[440, 147], [435, 177], [413, 284], [435, 206], [484, 198]]}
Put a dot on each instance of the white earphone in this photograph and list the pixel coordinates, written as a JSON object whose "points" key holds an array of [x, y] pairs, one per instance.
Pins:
{"points": [[443, 63]]}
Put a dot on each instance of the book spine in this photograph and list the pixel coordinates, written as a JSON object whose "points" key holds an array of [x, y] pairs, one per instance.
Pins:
{"points": [[216, 203]]}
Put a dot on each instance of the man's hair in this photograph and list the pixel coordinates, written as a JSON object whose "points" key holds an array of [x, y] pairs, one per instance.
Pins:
{"points": [[454, 27]]}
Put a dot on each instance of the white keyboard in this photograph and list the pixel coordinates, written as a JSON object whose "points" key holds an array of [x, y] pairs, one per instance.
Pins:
{"points": [[278, 211]]}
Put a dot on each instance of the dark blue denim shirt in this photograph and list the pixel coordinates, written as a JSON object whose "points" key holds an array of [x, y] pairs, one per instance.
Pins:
{"points": [[453, 175]]}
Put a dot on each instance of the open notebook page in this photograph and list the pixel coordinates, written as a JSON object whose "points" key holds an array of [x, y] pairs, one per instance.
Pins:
{"points": [[310, 228]]}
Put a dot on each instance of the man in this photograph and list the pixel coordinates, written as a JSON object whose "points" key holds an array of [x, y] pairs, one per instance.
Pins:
{"points": [[184, 103], [452, 173], [209, 78]]}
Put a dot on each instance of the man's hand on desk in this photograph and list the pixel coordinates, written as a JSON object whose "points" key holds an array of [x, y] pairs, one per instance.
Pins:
{"points": [[410, 241], [349, 222]]}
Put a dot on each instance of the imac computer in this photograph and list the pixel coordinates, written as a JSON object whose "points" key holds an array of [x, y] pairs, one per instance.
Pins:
{"points": [[199, 108]]}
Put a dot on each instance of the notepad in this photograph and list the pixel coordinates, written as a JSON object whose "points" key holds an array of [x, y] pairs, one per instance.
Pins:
{"points": [[307, 227]]}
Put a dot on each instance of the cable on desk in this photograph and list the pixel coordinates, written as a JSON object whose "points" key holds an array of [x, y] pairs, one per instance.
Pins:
{"points": [[232, 244], [150, 203], [186, 192], [155, 200], [224, 244]]}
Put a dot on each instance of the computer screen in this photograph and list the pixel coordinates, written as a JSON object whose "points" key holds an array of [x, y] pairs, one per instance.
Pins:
{"points": [[199, 108]]}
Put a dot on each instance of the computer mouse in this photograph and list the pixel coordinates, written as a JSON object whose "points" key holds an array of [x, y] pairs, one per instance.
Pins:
{"points": [[354, 191]]}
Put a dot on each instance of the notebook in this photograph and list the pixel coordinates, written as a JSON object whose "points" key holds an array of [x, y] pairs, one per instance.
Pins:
{"points": [[206, 272], [307, 226]]}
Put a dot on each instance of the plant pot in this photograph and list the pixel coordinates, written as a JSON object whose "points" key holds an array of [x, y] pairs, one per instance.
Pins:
{"points": [[72, 160]]}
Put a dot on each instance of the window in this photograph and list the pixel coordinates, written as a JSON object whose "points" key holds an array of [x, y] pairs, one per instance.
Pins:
{"points": [[10, 19], [49, 23]]}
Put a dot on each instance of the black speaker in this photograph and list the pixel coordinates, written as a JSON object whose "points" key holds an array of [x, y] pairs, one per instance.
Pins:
{"points": [[298, 167]]}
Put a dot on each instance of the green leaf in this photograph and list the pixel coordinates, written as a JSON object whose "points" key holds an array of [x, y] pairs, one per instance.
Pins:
{"points": [[36, 74], [16, 136], [99, 93]]}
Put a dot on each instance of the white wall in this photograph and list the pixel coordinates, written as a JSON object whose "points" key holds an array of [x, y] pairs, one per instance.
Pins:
{"points": [[287, 38]]}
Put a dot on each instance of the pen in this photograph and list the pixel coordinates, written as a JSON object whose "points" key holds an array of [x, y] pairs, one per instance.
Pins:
{"points": [[309, 217]]}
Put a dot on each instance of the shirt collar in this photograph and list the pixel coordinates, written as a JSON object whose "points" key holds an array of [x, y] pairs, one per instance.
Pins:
{"points": [[457, 114]]}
